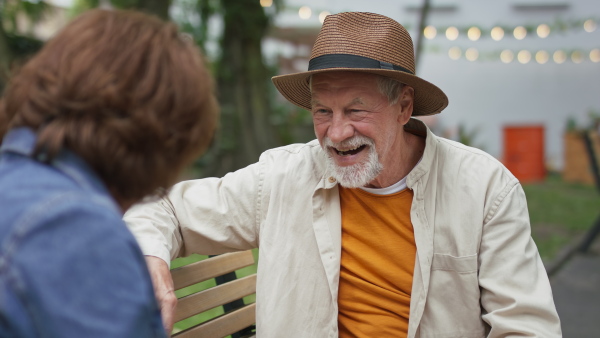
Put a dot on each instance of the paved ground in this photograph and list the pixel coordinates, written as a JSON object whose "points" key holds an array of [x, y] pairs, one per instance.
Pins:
{"points": [[576, 290]]}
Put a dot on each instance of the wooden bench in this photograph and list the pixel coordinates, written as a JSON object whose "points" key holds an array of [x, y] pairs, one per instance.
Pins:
{"points": [[193, 304]]}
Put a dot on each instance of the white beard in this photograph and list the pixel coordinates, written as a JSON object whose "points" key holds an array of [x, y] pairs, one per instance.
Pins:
{"points": [[359, 174]]}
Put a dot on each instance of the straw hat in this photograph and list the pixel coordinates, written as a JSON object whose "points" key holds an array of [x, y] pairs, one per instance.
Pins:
{"points": [[363, 42]]}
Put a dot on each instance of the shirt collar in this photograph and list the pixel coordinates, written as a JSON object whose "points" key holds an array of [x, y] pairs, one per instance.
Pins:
{"points": [[22, 141], [417, 127]]}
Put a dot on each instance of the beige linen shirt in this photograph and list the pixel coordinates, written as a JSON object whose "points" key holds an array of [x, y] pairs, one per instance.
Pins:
{"points": [[477, 272]]}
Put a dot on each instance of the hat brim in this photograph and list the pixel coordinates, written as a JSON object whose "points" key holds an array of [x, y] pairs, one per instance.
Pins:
{"points": [[429, 99]]}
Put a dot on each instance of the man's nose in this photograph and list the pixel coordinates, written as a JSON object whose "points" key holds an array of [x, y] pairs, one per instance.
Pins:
{"points": [[341, 129]]}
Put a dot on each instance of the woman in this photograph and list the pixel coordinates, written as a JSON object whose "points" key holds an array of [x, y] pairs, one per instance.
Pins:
{"points": [[107, 113]]}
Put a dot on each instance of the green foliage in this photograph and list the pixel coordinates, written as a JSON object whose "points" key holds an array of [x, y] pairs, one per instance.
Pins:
{"points": [[592, 123], [571, 124], [13, 44], [560, 212], [80, 6], [594, 117], [155, 7], [23, 46], [193, 17], [34, 10], [126, 3], [249, 119], [467, 137], [293, 125]]}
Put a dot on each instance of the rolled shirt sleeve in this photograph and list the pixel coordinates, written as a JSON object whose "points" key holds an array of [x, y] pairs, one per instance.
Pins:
{"points": [[515, 292], [204, 216]]}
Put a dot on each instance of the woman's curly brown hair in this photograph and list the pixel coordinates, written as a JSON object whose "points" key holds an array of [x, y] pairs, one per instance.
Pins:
{"points": [[125, 92]]}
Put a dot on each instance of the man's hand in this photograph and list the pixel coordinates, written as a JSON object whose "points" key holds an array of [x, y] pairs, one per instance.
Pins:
{"points": [[163, 289]]}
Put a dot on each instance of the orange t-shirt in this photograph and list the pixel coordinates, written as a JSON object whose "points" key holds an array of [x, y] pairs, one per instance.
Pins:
{"points": [[378, 258]]}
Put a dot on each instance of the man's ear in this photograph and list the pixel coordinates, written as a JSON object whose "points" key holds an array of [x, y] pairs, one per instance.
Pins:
{"points": [[406, 101]]}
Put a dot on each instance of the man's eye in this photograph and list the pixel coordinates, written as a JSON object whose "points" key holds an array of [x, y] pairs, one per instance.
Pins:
{"points": [[358, 112]]}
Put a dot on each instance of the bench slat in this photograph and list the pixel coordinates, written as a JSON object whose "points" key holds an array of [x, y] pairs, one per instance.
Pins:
{"points": [[221, 294], [223, 325], [210, 268]]}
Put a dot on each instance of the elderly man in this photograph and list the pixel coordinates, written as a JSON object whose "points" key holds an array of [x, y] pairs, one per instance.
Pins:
{"points": [[379, 229]]}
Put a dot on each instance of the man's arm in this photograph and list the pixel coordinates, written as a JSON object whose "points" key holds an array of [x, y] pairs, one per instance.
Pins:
{"points": [[164, 290], [206, 216], [515, 291]]}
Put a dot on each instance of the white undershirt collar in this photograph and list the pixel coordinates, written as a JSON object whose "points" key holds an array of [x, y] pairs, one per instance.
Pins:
{"points": [[392, 189]]}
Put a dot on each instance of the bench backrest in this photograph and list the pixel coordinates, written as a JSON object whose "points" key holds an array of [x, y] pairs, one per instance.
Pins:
{"points": [[219, 295]]}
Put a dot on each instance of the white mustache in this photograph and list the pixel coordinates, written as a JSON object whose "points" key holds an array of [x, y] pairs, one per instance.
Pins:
{"points": [[350, 143]]}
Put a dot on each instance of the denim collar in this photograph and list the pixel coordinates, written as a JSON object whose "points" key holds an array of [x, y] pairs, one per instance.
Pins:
{"points": [[22, 141]]}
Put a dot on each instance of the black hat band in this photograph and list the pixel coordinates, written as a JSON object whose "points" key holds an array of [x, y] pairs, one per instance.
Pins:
{"points": [[351, 61]]}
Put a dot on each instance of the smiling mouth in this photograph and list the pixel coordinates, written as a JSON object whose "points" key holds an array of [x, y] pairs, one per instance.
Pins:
{"points": [[349, 152]]}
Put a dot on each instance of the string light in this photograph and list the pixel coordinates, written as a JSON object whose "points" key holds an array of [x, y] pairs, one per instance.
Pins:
{"points": [[305, 12], [589, 25], [542, 57], [472, 54], [497, 33], [323, 15], [430, 32], [524, 56], [266, 3], [576, 57], [595, 55], [507, 56], [520, 33], [559, 56], [454, 53], [452, 33], [474, 33], [543, 31]]}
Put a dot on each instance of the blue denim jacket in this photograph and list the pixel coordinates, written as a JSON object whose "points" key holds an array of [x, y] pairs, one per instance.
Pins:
{"points": [[68, 265]]}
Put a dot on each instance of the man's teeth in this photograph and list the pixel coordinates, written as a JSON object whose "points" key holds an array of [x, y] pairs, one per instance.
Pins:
{"points": [[346, 152]]}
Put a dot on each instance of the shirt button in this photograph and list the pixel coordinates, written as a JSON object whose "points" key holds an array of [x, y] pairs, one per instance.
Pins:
{"points": [[331, 179]]}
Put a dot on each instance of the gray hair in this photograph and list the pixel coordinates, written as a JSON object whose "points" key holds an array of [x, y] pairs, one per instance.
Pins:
{"points": [[388, 87]]}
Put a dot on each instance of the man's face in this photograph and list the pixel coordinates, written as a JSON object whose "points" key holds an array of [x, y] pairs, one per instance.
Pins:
{"points": [[356, 126]]}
